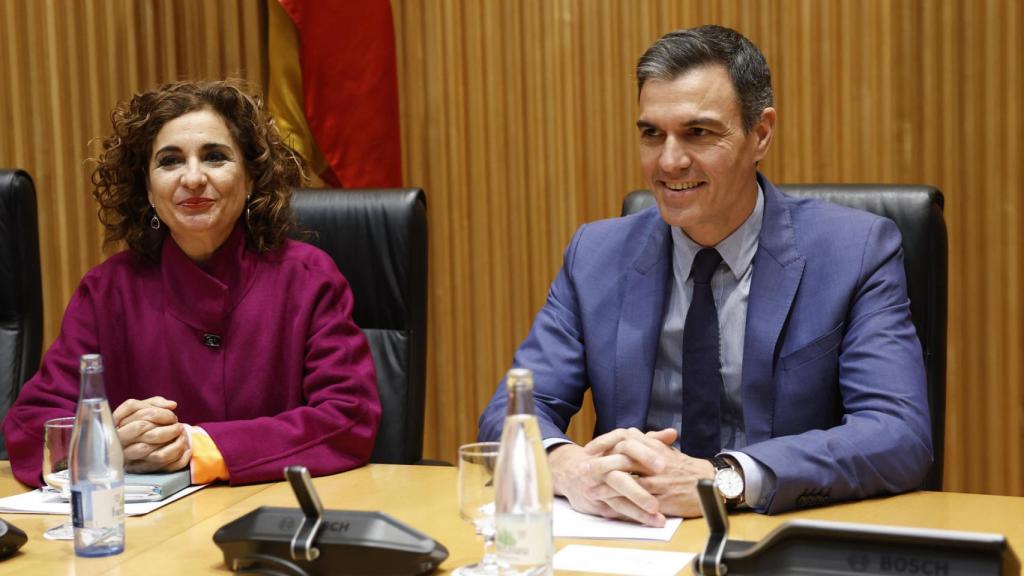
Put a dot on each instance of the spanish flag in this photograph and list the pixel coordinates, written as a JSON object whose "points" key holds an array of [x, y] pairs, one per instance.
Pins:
{"points": [[332, 87]]}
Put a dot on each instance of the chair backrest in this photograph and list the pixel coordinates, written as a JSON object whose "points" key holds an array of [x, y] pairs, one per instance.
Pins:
{"points": [[21, 293], [378, 238], [918, 213]]}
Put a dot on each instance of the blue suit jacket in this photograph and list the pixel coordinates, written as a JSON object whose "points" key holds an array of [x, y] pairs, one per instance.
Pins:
{"points": [[833, 386]]}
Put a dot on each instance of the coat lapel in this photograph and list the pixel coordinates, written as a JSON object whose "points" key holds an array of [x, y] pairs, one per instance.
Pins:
{"points": [[643, 304], [778, 268], [202, 298]]}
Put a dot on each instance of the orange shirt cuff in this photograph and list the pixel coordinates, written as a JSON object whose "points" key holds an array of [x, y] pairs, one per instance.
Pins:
{"points": [[207, 462]]}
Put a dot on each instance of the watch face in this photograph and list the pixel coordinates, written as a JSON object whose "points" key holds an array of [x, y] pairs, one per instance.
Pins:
{"points": [[729, 483]]}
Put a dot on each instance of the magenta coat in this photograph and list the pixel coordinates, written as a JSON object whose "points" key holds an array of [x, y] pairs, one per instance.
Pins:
{"points": [[291, 382]]}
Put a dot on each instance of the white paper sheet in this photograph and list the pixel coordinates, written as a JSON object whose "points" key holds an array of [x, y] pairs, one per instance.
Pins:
{"points": [[629, 561], [569, 523], [49, 502]]}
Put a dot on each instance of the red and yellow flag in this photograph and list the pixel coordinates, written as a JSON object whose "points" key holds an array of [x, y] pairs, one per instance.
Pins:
{"points": [[333, 88]]}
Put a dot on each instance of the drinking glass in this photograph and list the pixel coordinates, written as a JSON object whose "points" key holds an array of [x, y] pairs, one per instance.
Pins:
{"points": [[56, 457], [476, 502]]}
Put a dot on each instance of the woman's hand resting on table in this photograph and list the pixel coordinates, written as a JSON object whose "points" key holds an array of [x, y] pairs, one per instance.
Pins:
{"points": [[152, 438]]}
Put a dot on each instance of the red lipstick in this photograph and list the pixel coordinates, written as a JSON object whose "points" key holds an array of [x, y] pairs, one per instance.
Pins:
{"points": [[196, 203]]}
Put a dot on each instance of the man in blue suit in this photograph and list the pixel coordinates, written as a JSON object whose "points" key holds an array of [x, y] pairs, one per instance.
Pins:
{"points": [[732, 332]]}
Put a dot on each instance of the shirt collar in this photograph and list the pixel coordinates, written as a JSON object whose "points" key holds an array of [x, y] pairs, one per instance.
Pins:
{"points": [[737, 249]]}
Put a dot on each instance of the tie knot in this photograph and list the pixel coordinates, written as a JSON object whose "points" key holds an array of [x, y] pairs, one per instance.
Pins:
{"points": [[704, 265]]}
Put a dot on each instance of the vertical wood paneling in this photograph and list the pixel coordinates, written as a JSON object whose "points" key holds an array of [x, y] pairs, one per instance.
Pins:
{"points": [[1013, 153], [957, 402], [518, 119]]}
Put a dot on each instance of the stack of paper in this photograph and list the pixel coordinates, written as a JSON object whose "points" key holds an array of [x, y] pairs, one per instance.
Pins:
{"points": [[46, 501]]}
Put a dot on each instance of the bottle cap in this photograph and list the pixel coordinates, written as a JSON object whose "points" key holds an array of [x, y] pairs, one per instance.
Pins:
{"points": [[90, 364], [520, 377]]}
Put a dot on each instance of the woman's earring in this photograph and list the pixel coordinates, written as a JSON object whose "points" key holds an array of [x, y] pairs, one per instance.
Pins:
{"points": [[247, 210], [154, 222]]}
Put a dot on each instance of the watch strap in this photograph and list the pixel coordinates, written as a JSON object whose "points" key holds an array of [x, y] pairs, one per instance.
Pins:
{"points": [[719, 463]]}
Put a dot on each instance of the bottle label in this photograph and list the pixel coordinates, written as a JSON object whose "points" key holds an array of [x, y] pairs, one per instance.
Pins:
{"points": [[525, 539], [97, 507]]}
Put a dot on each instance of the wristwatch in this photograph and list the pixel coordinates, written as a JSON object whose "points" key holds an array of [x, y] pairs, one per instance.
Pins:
{"points": [[729, 481]]}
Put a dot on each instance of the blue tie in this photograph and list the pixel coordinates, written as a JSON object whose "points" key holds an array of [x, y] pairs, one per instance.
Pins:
{"points": [[701, 432]]}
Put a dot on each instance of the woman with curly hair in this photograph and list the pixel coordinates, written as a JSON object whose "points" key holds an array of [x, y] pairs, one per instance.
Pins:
{"points": [[228, 348]]}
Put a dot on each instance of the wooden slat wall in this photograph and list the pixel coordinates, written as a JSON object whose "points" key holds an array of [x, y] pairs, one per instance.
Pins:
{"points": [[517, 118]]}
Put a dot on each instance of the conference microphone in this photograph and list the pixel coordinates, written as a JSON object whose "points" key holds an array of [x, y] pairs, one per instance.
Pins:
{"points": [[844, 548], [312, 541], [11, 538]]}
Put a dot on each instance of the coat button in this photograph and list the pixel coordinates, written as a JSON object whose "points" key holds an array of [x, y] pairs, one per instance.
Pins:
{"points": [[211, 340]]}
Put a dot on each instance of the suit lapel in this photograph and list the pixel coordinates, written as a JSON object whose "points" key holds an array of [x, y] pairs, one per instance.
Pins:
{"points": [[642, 305], [778, 268]]}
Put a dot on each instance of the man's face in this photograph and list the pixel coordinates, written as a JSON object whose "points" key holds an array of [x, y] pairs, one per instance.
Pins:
{"points": [[694, 154]]}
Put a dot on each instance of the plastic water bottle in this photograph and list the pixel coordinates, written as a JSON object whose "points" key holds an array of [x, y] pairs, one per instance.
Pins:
{"points": [[523, 491], [97, 469]]}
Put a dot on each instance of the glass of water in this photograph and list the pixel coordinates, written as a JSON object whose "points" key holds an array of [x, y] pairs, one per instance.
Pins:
{"points": [[56, 457], [476, 502]]}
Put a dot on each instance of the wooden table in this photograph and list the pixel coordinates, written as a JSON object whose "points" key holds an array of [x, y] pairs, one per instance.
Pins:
{"points": [[178, 538]]}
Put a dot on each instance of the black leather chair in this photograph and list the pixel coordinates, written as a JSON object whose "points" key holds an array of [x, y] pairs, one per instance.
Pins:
{"points": [[21, 293], [378, 238], [917, 211]]}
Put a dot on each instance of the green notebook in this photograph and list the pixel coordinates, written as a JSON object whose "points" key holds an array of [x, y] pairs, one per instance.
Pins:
{"points": [[155, 487]]}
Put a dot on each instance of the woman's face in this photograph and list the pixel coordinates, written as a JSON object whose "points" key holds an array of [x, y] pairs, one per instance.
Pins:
{"points": [[197, 181]]}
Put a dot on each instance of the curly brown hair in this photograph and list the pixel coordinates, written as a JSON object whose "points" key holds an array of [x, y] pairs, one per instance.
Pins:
{"points": [[120, 176]]}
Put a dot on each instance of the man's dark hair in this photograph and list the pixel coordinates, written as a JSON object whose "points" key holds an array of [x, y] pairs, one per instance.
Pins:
{"points": [[676, 53]]}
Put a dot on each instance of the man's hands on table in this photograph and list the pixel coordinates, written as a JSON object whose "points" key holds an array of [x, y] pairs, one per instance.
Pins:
{"points": [[629, 474]]}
